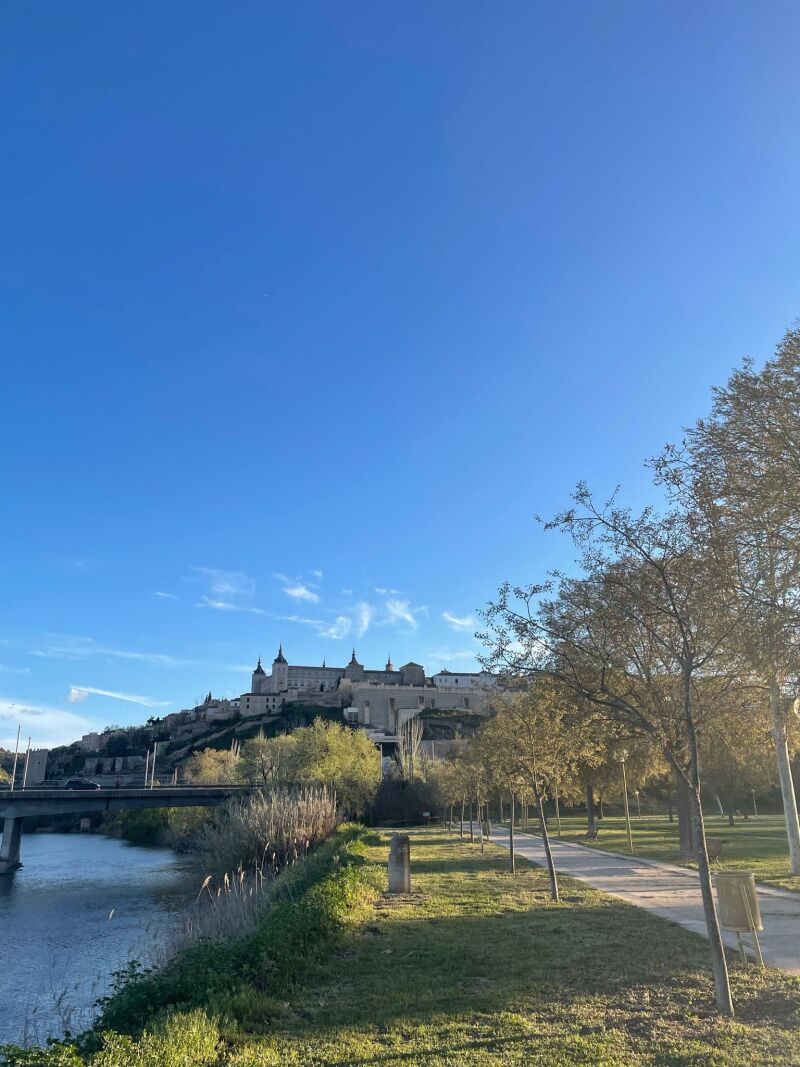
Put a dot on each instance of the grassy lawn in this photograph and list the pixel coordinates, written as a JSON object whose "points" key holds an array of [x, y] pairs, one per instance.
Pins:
{"points": [[477, 967], [757, 844]]}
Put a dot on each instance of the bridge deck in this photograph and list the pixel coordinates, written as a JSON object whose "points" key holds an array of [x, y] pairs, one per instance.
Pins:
{"points": [[77, 801]]}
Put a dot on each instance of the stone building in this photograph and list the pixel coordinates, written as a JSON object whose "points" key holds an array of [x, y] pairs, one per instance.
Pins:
{"points": [[378, 700]]}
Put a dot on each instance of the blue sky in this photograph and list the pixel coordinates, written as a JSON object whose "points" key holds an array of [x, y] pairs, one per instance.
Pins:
{"points": [[307, 309]]}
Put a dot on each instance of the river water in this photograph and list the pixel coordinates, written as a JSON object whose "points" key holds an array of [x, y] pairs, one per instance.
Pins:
{"points": [[81, 907]]}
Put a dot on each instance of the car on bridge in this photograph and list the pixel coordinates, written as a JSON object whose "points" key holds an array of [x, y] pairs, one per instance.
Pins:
{"points": [[80, 783]]}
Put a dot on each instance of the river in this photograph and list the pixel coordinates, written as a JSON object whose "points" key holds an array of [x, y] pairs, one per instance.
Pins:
{"points": [[81, 907]]}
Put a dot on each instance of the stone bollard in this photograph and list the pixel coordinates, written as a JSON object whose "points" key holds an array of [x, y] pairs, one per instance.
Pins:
{"points": [[400, 864]]}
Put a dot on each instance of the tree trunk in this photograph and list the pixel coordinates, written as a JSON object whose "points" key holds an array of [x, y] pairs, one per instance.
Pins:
{"points": [[719, 804], [591, 814], [730, 812], [471, 822], [511, 838], [685, 826], [462, 821], [500, 808], [450, 825], [669, 807], [602, 813], [558, 810], [785, 774], [719, 966], [480, 824], [551, 867]]}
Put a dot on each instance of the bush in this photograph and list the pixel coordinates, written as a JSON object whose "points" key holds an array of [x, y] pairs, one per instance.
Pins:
{"points": [[264, 831]]}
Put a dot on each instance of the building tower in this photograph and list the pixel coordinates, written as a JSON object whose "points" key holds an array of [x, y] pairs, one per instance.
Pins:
{"points": [[259, 678], [280, 673], [354, 670]]}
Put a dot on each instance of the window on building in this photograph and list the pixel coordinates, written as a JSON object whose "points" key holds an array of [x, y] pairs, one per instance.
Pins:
{"points": [[466, 702]]}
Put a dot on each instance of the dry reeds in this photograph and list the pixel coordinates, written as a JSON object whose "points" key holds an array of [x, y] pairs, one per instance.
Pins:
{"points": [[247, 843]]}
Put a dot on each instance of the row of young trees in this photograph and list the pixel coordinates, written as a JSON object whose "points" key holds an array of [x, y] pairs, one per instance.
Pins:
{"points": [[680, 634]]}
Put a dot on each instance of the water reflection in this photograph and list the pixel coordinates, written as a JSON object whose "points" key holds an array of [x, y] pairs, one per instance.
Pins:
{"points": [[79, 908]]}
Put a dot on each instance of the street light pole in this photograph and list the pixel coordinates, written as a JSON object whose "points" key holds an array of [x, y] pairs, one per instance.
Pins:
{"points": [[27, 761], [753, 794], [16, 755], [638, 805], [627, 813]]}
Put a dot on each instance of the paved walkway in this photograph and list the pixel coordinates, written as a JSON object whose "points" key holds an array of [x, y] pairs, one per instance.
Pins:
{"points": [[671, 892]]}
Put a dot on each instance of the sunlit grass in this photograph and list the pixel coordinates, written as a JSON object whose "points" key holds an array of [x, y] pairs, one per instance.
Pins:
{"points": [[479, 968]]}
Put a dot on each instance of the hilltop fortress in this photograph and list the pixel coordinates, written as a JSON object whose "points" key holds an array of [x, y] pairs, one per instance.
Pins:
{"points": [[378, 700]]}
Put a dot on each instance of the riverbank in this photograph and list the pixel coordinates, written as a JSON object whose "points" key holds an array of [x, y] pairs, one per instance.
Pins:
{"points": [[476, 967]]}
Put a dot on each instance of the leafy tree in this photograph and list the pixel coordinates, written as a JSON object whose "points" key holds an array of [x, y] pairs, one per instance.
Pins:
{"points": [[741, 467], [736, 749], [341, 758], [268, 760], [212, 766]]}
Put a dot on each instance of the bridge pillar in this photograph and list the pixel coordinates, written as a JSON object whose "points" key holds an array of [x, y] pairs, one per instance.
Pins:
{"points": [[9, 849]]}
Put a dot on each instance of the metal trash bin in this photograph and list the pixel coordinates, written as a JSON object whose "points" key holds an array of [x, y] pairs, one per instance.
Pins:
{"points": [[738, 901], [738, 908]]}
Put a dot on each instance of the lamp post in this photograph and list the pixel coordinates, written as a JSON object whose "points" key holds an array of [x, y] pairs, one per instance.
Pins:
{"points": [[16, 755], [622, 756], [638, 805], [27, 761], [753, 795]]}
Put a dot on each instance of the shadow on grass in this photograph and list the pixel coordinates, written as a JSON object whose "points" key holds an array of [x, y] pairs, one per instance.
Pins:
{"points": [[477, 940]]}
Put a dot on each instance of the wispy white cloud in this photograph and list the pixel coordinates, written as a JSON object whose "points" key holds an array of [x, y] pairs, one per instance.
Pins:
{"points": [[165, 596], [364, 614], [458, 622], [400, 611], [227, 583], [47, 726], [338, 629], [14, 670], [226, 605], [382, 591], [81, 692], [69, 647], [298, 591], [317, 574], [347, 592]]}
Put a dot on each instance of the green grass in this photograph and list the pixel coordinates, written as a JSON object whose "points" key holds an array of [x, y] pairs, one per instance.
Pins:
{"points": [[756, 844], [479, 968], [474, 968]]}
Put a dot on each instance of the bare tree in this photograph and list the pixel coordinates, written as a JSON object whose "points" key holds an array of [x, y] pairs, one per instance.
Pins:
{"points": [[633, 637]]}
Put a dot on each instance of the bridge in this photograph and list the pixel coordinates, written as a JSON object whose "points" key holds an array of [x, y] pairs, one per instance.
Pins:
{"points": [[16, 804]]}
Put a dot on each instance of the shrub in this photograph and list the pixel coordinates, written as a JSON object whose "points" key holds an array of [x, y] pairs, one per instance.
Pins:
{"points": [[264, 831]]}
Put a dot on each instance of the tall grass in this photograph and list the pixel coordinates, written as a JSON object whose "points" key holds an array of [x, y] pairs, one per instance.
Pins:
{"points": [[264, 831], [242, 848]]}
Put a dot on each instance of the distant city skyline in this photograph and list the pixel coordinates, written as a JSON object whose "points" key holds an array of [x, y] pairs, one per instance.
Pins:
{"points": [[307, 311]]}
